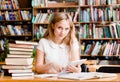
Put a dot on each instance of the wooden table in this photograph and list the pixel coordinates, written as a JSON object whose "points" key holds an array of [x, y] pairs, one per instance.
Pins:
{"points": [[55, 79]]}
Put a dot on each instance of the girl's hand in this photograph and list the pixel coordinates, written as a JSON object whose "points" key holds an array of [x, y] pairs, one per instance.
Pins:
{"points": [[72, 69], [54, 68]]}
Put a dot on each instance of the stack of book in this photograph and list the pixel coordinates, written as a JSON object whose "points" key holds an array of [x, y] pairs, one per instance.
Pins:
{"points": [[19, 61]]}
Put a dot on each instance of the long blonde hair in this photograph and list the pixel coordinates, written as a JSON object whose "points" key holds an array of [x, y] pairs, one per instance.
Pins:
{"points": [[70, 39], [56, 18]]}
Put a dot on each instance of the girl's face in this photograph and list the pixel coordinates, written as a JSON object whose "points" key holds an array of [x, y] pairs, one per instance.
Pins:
{"points": [[61, 29]]}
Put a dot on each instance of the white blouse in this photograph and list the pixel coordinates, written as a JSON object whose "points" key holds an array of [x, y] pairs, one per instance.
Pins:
{"points": [[55, 53]]}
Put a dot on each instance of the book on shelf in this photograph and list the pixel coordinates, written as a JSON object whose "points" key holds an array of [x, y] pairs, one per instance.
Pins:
{"points": [[18, 61], [20, 67]]}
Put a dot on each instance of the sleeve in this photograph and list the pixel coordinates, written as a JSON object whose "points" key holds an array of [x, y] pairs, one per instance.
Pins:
{"points": [[41, 45]]}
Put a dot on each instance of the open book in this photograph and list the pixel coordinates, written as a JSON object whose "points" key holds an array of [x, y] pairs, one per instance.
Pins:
{"points": [[79, 76]]}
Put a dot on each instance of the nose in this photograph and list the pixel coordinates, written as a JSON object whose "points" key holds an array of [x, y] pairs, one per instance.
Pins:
{"points": [[62, 31]]}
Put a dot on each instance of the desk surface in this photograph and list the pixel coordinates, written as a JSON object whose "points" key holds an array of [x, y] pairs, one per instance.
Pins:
{"points": [[54, 79]]}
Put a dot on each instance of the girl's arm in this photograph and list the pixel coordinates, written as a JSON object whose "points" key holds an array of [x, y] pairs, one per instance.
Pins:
{"points": [[41, 67]]}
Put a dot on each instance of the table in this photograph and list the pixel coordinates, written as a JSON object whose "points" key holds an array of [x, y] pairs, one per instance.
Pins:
{"points": [[55, 79]]}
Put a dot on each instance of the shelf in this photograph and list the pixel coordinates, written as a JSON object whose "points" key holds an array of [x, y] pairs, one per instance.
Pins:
{"points": [[101, 57], [15, 20], [99, 22], [15, 9], [99, 39], [96, 6]]}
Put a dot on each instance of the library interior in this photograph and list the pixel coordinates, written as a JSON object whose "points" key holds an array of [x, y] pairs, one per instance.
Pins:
{"points": [[23, 24]]}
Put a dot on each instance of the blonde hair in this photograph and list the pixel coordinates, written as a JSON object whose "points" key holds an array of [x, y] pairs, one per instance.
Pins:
{"points": [[70, 39], [56, 18]]}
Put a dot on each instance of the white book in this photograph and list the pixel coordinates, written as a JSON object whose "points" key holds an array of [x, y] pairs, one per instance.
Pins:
{"points": [[25, 42], [18, 55], [20, 52], [37, 18], [43, 17], [95, 48], [23, 74], [17, 66], [18, 61], [10, 27], [21, 49], [19, 70], [23, 77]]}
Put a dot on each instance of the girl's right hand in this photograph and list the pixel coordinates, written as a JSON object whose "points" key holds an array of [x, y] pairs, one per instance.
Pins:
{"points": [[54, 68]]}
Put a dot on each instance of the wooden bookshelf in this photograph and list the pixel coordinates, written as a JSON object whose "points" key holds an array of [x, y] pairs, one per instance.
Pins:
{"points": [[49, 8], [17, 17], [96, 22], [97, 18]]}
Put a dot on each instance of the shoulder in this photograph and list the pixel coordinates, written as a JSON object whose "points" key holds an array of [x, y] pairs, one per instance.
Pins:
{"points": [[42, 44], [43, 40]]}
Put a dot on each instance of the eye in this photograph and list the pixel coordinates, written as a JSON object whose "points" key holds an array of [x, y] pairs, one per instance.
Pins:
{"points": [[59, 27], [67, 28]]}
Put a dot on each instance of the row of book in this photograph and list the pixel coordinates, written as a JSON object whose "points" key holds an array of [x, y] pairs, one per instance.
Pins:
{"points": [[99, 14], [15, 15], [39, 3], [98, 2], [46, 17], [43, 18], [9, 4], [14, 30], [99, 48], [94, 31], [39, 31], [19, 60], [52, 3]]}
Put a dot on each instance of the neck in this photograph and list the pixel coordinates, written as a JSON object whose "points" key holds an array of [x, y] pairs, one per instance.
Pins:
{"points": [[57, 41]]}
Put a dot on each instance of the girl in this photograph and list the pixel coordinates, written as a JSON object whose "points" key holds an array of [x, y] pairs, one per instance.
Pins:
{"points": [[58, 47]]}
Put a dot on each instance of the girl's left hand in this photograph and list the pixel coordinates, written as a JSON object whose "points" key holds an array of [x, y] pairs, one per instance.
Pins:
{"points": [[73, 69]]}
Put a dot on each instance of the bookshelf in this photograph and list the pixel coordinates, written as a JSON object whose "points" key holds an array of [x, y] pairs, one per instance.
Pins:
{"points": [[96, 23], [42, 13], [99, 29], [15, 19], [15, 23]]}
